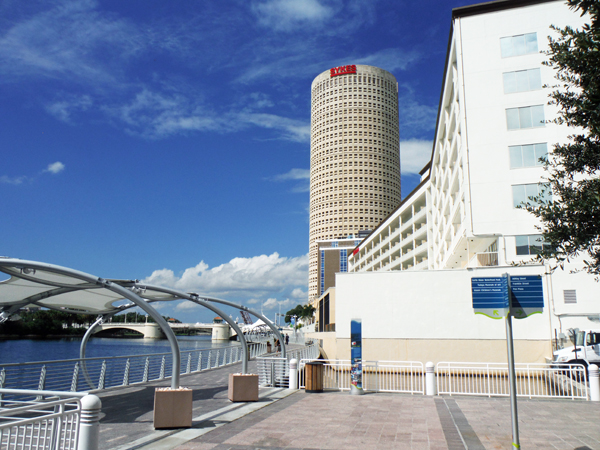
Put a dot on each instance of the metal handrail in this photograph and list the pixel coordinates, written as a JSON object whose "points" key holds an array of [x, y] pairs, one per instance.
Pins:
{"points": [[532, 379], [107, 372]]}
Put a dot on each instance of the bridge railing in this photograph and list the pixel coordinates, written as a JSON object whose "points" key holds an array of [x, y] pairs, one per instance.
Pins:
{"points": [[76, 375]]}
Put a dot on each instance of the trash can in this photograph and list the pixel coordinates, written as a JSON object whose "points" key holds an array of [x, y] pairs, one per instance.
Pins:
{"points": [[313, 373]]}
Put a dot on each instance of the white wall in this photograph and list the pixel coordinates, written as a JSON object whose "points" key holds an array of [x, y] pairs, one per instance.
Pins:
{"points": [[434, 304], [481, 69]]}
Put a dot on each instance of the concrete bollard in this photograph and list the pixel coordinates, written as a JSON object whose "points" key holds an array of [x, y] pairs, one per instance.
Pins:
{"points": [[89, 423], [293, 374], [594, 383], [430, 387]]}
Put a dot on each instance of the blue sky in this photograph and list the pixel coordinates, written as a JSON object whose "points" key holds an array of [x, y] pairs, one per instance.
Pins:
{"points": [[169, 141]]}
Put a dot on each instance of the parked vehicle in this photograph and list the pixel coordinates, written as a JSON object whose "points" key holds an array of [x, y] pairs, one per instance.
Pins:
{"points": [[585, 349]]}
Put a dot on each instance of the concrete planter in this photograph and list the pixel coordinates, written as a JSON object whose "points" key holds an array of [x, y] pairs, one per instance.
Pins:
{"points": [[172, 408], [243, 387]]}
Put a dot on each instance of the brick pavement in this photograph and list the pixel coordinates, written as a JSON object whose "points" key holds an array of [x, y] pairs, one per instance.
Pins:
{"points": [[335, 420], [127, 413]]}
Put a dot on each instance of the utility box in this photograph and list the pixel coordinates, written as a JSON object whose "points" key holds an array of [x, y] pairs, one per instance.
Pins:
{"points": [[172, 408], [243, 387]]}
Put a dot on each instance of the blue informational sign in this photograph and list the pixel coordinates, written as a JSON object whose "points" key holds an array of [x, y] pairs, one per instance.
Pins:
{"points": [[356, 356], [527, 295], [491, 296]]}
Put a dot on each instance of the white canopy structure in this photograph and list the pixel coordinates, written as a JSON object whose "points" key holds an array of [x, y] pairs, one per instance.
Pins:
{"points": [[49, 286]]}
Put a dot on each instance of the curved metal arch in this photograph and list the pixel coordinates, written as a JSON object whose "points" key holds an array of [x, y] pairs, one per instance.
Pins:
{"points": [[97, 282], [254, 313], [196, 299]]}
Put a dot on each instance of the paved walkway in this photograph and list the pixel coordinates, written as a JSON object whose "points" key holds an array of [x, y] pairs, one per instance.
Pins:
{"points": [[391, 421], [336, 420]]}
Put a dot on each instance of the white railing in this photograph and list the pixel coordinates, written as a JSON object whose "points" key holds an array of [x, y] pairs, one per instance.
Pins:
{"points": [[378, 376], [49, 420], [274, 370], [491, 379], [102, 373]]}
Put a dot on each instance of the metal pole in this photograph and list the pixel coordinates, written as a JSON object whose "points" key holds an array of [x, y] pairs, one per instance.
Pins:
{"points": [[82, 348], [511, 370], [200, 301], [254, 313], [10, 266]]}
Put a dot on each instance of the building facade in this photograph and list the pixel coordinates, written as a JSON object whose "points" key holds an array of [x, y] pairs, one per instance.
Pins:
{"points": [[354, 157], [464, 220]]}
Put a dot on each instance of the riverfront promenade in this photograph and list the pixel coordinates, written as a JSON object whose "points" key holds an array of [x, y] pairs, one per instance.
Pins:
{"points": [[285, 419]]}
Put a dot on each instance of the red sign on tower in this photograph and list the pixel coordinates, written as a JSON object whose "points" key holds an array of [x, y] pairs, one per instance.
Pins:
{"points": [[342, 70]]}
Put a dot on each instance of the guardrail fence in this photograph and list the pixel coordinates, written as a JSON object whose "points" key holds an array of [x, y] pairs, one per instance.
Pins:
{"points": [[48, 420], [533, 380], [378, 376], [274, 371], [102, 373]]}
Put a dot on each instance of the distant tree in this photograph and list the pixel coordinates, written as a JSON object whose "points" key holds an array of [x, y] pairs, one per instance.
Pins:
{"points": [[570, 220], [300, 311]]}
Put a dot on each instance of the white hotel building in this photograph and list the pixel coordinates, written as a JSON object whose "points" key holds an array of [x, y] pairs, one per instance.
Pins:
{"points": [[410, 279]]}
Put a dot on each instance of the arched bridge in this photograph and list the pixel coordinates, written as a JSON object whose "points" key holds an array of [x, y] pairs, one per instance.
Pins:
{"points": [[153, 331]]}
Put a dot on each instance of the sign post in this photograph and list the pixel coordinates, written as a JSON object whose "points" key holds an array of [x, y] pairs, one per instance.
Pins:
{"points": [[514, 414], [505, 297]]}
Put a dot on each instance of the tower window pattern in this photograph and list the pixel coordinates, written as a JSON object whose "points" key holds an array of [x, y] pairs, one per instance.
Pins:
{"points": [[355, 159]]}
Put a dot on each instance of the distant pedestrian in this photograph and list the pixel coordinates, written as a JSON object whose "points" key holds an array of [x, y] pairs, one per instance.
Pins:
{"points": [[287, 339]]}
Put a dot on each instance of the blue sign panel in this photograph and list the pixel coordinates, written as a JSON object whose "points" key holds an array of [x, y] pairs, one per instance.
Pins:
{"points": [[527, 295], [356, 356], [490, 296]]}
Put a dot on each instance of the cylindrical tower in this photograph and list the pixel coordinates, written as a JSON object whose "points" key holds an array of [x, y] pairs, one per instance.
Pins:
{"points": [[354, 155]]}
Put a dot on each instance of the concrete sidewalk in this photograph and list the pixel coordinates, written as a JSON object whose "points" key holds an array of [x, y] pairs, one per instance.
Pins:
{"points": [[335, 420]]}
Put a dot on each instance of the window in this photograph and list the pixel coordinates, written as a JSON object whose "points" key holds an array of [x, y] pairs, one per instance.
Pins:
{"points": [[526, 117], [530, 245], [592, 339], [521, 44], [522, 80], [344, 260], [523, 192], [527, 155]]}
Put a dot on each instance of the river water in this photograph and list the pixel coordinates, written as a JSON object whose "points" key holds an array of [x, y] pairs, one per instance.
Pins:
{"points": [[27, 350]]}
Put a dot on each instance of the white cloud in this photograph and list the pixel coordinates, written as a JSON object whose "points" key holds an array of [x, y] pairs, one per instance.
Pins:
{"points": [[414, 155], [55, 168], [293, 174], [287, 15], [14, 180], [390, 59], [252, 277], [302, 175], [273, 303], [64, 41], [292, 129], [415, 118], [63, 109], [299, 294], [187, 305]]}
